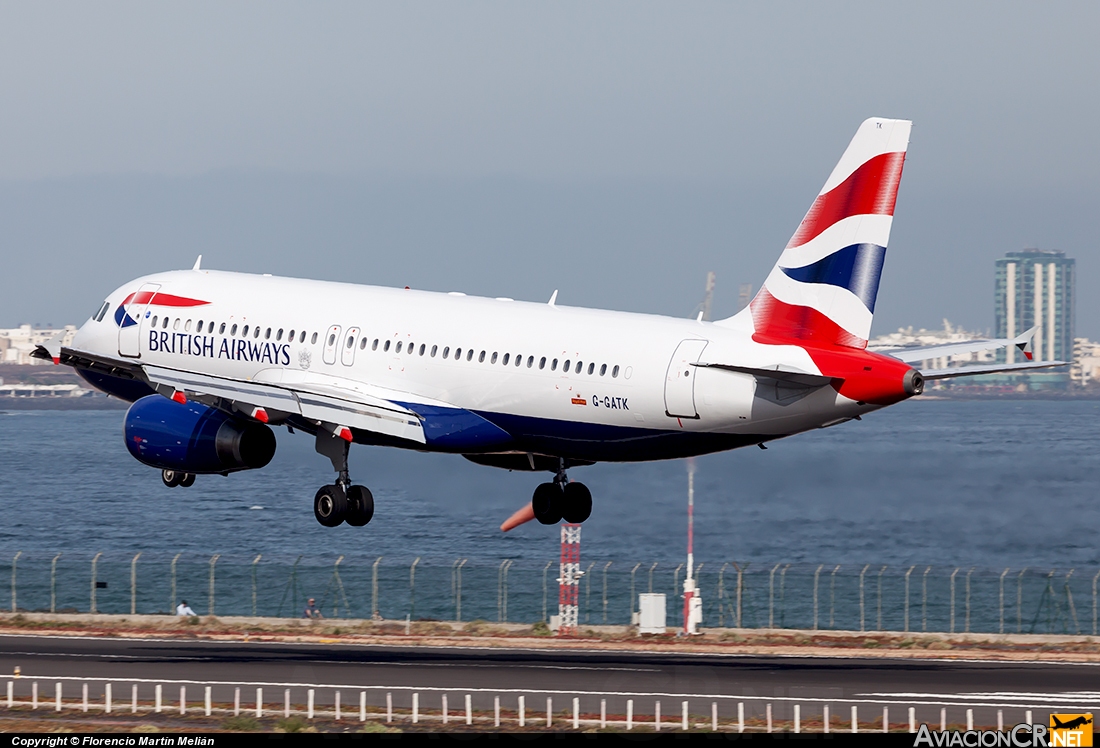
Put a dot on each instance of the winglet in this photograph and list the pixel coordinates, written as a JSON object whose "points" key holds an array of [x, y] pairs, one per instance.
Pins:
{"points": [[1024, 342], [553, 298], [52, 347], [198, 263]]}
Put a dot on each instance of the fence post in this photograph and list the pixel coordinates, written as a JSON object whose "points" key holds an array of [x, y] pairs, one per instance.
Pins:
{"points": [[651, 568], [676, 579], [880, 572], [817, 574], [458, 599], [607, 565], [95, 560], [968, 599], [254, 562], [924, 599], [832, 597], [374, 589], [783, 597], [771, 597], [507, 569], [1094, 602], [1002, 600], [1072, 607], [587, 593], [213, 560], [172, 600], [952, 629], [412, 587], [1020, 601], [862, 627], [740, 571], [14, 561], [500, 591], [633, 597], [53, 584], [133, 584], [721, 595], [907, 598]]}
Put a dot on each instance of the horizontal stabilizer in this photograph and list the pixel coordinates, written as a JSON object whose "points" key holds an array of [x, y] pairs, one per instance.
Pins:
{"points": [[914, 355], [777, 372], [970, 371]]}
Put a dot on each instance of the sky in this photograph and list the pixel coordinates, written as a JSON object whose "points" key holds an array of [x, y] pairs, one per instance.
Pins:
{"points": [[616, 151]]}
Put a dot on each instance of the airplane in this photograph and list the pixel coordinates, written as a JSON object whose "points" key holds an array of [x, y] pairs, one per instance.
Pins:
{"points": [[211, 361], [1079, 721]]}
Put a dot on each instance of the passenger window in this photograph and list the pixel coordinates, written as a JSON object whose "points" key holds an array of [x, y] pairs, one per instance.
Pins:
{"points": [[554, 365], [176, 324], [386, 347], [331, 337], [542, 362], [221, 329], [519, 360], [363, 344], [199, 326], [279, 335], [603, 369], [422, 349], [374, 345], [164, 324], [233, 332], [434, 349], [458, 353], [446, 350], [187, 326], [580, 365], [244, 331], [351, 341], [312, 338], [154, 321], [398, 348], [210, 327], [267, 334], [504, 361], [470, 354], [565, 366], [256, 331], [411, 348], [290, 336], [591, 368], [530, 361], [615, 371], [481, 358]]}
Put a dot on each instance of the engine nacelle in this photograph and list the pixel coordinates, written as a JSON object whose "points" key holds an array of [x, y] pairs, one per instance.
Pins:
{"points": [[193, 438]]}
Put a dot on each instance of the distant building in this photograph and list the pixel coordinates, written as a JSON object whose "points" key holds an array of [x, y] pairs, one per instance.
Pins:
{"points": [[1036, 287], [1086, 361], [17, 343]]}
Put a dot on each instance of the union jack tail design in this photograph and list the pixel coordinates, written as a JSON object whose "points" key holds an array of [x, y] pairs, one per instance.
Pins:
{"points": [[822, 291]]}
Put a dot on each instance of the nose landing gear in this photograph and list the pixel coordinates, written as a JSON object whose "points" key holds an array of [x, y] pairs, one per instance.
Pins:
{"points": [[553, 502], [173, 478]]}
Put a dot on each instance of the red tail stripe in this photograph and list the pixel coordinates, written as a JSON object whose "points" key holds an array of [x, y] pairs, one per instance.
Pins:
{"points": [[777, 322], [872, 189]]}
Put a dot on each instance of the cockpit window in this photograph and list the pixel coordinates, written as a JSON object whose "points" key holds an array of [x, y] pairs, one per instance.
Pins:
{"points": [[98, 316]]}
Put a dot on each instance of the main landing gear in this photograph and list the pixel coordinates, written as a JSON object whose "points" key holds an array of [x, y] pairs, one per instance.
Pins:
{"points": [[173, 478], [341, 501], [561, 499]]}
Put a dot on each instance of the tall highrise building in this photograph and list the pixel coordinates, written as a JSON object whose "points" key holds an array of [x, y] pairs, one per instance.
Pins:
{"points": [[1036, 287]]}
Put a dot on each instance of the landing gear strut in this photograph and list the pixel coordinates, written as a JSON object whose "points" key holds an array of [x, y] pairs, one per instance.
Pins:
{"points": [[173, 478], [553, 502], [341, 501]]}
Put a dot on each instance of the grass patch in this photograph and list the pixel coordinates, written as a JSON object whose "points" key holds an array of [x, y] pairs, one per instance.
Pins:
{"points": [[241, 724]]}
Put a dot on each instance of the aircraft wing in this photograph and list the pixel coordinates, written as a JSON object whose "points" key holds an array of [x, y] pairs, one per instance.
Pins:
{"points": [[331, 407], [914, 355], [970, 371]]}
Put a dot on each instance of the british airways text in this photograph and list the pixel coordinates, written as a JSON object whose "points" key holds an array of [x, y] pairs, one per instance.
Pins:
{"points": [[205, 345]]}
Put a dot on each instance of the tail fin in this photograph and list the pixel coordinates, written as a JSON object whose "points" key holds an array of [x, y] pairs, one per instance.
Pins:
{"points": [[823, 289]]}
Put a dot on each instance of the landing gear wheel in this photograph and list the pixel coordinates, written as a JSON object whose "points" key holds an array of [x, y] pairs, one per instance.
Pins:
{"points": [[360, 506], [188, 480], [547, 503], [171, 478], [576, 503], [330, 505]]}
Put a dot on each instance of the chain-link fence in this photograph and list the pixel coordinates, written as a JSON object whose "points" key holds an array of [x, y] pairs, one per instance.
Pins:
{"points": [[871, 597]]}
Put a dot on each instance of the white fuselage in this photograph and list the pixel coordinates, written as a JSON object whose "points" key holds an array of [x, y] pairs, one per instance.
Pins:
{"points": [[561, 380]]}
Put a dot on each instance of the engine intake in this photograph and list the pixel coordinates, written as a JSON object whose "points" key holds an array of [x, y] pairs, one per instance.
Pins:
{"points": [[194, 438]]}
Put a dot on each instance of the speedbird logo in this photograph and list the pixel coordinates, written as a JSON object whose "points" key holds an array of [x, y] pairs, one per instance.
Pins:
{"points": [[123, 318]]}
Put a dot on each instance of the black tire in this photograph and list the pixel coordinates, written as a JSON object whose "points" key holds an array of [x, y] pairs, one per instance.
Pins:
{"points": [[547, 503], [576, 503], [171, 478], [360, 506], [187, 480], [330, 506]]}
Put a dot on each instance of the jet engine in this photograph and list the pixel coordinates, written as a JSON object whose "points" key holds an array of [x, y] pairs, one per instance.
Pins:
{"points": [[193, 438]]}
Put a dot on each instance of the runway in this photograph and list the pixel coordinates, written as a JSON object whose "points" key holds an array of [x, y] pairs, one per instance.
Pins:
{"points": [[614, 676]]}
